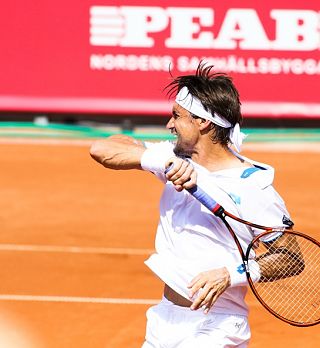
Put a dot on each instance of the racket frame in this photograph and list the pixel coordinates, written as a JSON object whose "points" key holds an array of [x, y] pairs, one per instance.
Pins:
{"points": [[251, 283], [220, 212]]}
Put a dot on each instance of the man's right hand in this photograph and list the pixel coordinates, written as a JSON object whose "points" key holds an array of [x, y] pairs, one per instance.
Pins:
{"points": [[181, 173]]}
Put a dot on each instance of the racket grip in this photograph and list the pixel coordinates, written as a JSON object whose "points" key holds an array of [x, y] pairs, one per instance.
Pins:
{"points": [[202, 196]]}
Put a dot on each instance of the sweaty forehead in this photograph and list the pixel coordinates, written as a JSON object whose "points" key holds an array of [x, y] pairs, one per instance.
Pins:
{"points": [[178, 109]]}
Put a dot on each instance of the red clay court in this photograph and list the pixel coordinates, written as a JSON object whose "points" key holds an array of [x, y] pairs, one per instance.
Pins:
{"points": [[75, 235]]}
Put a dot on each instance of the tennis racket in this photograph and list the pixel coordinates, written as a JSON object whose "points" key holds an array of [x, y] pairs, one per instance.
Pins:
{"points": [[282, 267]]}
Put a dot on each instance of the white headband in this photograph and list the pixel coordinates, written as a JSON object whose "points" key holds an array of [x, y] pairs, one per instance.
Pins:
{"points": [[185, 99]]}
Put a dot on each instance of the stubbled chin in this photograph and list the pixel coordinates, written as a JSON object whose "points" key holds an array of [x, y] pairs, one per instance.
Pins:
{"points": [[179, 151]]}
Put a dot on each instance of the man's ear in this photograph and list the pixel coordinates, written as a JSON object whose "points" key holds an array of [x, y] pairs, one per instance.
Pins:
{"points": [[204, 124]]}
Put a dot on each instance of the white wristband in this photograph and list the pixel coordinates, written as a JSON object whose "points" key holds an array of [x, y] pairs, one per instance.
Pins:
{"points": [[154, 158], [238, 275]]}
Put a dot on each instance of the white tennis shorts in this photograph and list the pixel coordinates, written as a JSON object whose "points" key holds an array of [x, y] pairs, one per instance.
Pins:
{"points": [[171, 326]]}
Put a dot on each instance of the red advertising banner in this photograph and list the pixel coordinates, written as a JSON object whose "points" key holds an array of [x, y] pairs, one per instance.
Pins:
{"points": [[98, 56]]}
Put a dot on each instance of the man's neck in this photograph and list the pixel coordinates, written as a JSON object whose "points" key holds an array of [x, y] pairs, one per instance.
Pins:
{"points": [[216, 157]]}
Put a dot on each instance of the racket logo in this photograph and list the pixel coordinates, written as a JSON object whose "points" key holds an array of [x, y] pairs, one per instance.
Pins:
{"points": [[287, 221]]}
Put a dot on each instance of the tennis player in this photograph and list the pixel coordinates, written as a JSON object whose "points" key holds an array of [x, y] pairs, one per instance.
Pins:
{"points": [[204, 283]]}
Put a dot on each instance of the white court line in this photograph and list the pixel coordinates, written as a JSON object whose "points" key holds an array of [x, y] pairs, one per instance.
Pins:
{"points": [[73, 299], [43, 141], [75, 249], [293, 147], [286, 146]]}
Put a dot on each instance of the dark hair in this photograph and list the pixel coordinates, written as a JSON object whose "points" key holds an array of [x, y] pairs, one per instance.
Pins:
{"points": [[217, 94]]}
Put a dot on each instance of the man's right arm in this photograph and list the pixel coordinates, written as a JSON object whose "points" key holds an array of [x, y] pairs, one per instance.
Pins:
{"points": [[118, 152], [124, 152]]}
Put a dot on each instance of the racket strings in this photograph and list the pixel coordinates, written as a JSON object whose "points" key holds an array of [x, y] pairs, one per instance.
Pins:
{"points": [[292, 264], [290, 292], [289, 278]]}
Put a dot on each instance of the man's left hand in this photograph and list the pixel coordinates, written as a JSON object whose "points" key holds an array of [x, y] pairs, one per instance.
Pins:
{"points": [[208, 286]]}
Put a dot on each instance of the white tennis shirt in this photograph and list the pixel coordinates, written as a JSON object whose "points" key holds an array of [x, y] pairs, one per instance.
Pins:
{"points": [[190, 239]]}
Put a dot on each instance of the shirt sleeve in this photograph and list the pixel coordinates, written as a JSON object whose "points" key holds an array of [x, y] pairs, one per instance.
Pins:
{"points": [[155, 157], [274, 214]]}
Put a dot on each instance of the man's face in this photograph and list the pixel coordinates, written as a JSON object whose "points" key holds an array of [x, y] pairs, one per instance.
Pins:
{"points": [[185, 128]]}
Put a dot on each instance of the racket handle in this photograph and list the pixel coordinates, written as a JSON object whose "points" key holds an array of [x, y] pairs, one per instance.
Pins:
{"points": [[203, 197]]}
